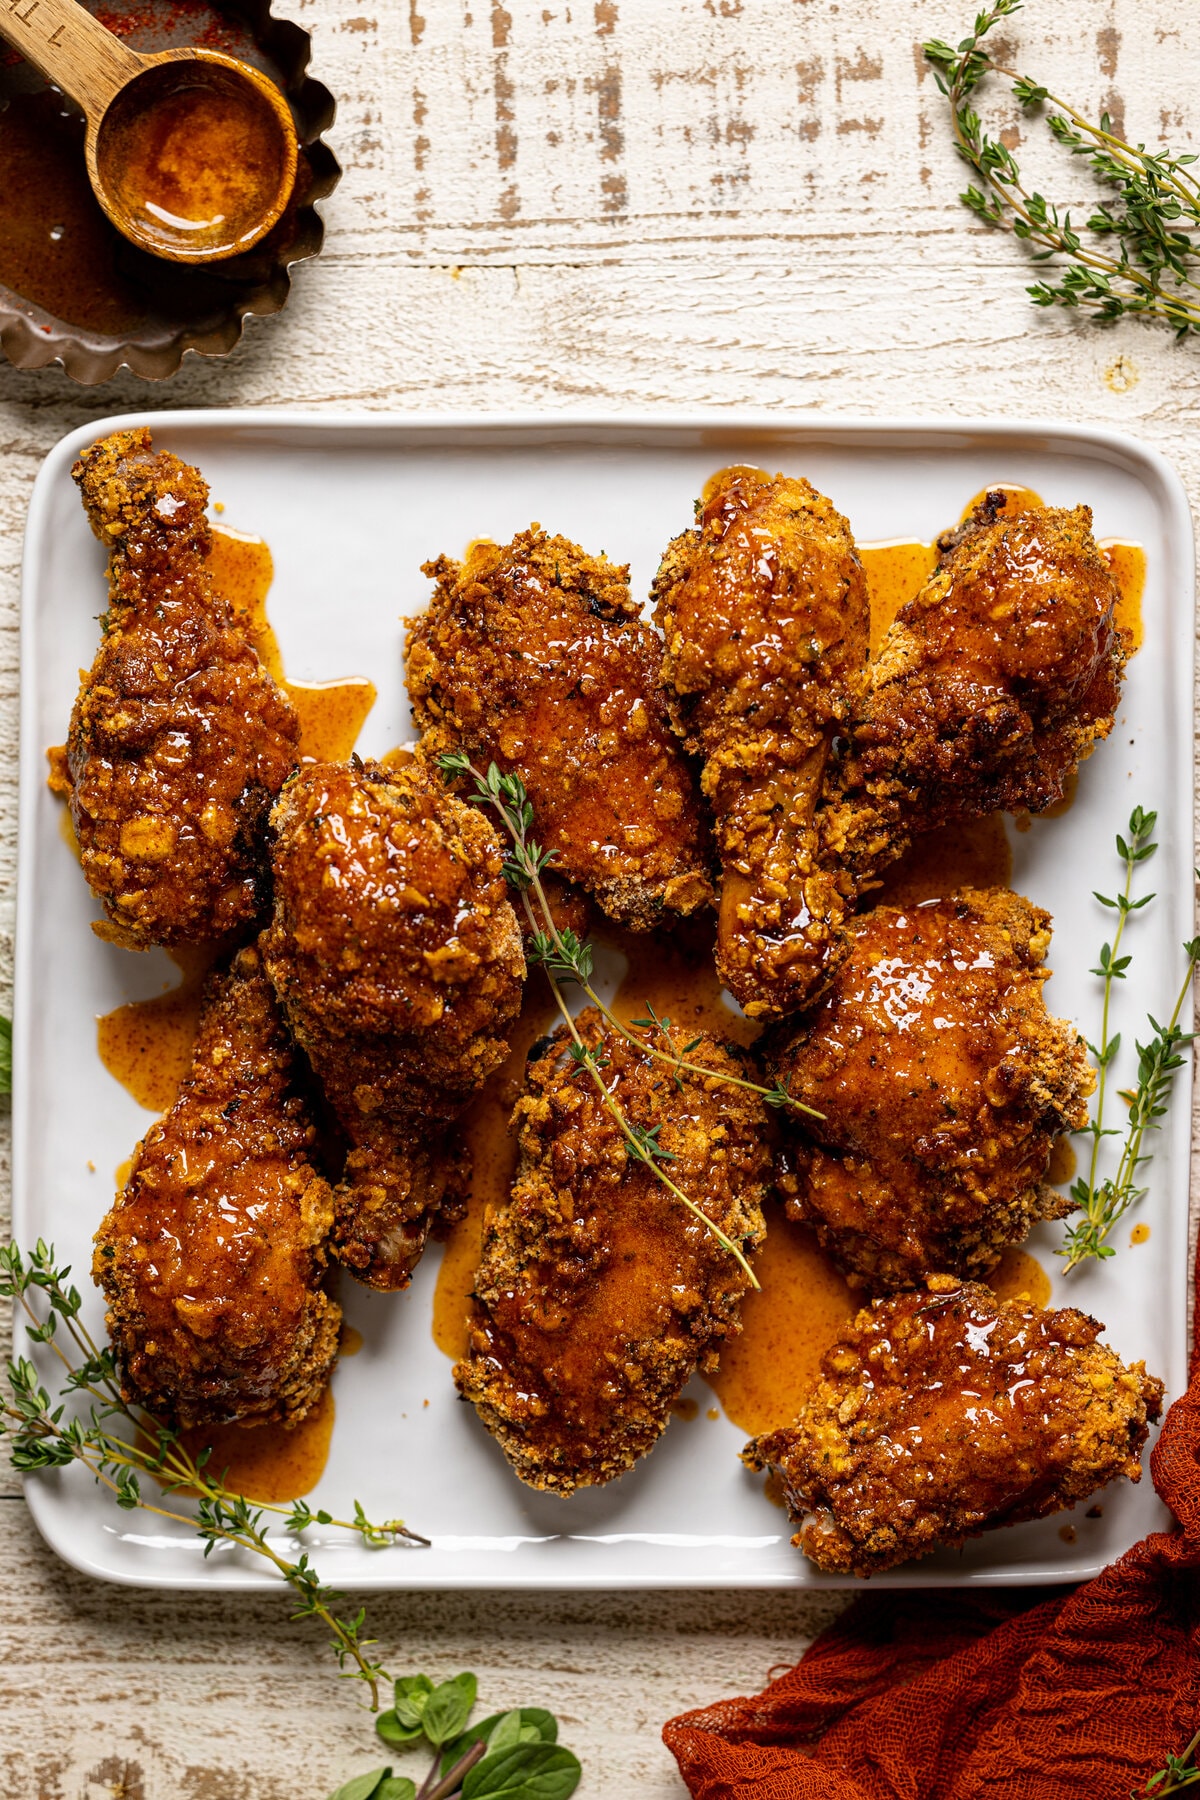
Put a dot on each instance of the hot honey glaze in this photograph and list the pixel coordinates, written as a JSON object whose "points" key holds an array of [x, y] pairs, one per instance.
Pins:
{"points": [[787, 1327], [493, 1150], [146, 1045], [269, 1463], [331, 712]]}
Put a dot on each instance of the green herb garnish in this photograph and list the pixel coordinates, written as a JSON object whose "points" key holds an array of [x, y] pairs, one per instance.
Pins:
{"points": [[1135, 253], [1105, 1200], [119, 1445], [565, 957], [510, 1756], [1179, 1772]]}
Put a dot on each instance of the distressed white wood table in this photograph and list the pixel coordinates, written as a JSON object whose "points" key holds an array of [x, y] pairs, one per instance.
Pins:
{"points": [[656, 203]]}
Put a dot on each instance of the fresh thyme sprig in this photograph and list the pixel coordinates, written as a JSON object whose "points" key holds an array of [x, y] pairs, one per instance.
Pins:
{"points": [[1138, 255], [1180, 1772], [1103, 1202], [42, 1434], [565, 957]]}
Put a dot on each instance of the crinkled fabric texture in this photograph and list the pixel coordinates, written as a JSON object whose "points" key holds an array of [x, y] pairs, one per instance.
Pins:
{"points": [[958, 1696]]}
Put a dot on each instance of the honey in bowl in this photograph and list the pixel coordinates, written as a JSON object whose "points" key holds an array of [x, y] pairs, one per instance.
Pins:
{"points": [[195, 156]]}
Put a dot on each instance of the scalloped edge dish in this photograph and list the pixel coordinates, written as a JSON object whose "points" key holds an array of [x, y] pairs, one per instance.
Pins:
{"points": [[31, 337]]}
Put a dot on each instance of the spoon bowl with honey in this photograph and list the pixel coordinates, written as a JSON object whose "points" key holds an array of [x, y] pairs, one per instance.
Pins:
{"points": [[191, 153]]}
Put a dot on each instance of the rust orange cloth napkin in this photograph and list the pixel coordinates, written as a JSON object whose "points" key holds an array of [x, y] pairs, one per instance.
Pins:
{"points": [[1067, 1694]]}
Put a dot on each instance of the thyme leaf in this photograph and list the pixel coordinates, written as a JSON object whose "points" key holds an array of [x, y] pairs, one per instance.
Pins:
{"points": [[566, 957], [1178, 1773], [1135, 252], [119, 1443], [1104, 1199]]}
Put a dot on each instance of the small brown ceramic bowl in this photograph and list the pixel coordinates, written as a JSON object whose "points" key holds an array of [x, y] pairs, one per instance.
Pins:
{"points": [[72, 289]]}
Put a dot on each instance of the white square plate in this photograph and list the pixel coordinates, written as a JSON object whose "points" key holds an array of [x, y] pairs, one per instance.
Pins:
{"points": [[351, 506]]}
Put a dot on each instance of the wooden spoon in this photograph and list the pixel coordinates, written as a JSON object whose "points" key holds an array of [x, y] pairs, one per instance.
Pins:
{"points": [[191, 153]]}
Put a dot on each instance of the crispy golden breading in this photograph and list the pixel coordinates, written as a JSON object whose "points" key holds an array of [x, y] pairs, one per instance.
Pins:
{"points": [[942, 1081], [179, 740], [533, 656], [990, 688], [599, 1293], [943, 1414], [213, 1256], [765, 613], [397, 960]]}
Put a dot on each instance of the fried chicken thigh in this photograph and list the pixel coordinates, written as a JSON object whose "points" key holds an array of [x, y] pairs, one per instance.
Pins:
{"points": [[942, 1083], [397, 960], [213, 1258], [765, 613], [990, 688], [944, 1414], [179, 740], [533, 656], [599, 1293]]}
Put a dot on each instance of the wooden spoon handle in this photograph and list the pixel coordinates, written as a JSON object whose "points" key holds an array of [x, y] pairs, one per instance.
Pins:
{"points": [[70, 48]]}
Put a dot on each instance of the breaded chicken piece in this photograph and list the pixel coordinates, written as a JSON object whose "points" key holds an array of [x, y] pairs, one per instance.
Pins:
{"points": [[941, 1081], [533, 656], [179, 740], [944, 1414], [213, 1257], [397, 960], [991, 686], [765, 613], [599, 1294]]}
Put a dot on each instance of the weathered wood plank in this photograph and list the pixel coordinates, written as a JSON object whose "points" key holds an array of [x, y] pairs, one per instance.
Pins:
{"points": [[581, 205]]}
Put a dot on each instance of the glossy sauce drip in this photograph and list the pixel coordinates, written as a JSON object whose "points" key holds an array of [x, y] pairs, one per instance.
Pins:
{"points": [[331, 712], [66, 831], [1018, 499], [493, 1150], [786, 1329], [146, 1045], [1063, 1163], [1019, 1273], [896, 572], [270, 1462], [194, 154], [1070, 788], [970, 853], [680, 984], [1128, 564]]}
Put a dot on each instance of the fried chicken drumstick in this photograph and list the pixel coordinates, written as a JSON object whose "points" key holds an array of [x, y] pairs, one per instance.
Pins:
{"points": [[941, 1081], [213, 1258], [991, 686], [765, 613], [179, 739], [397, 961], [532, 655], [944, 1414], [598, 1293]]}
